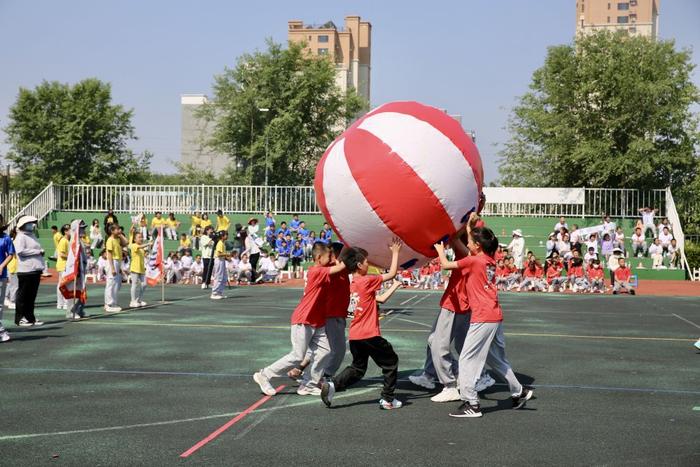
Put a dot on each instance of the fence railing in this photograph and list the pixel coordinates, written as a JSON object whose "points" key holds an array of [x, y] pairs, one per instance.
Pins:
{"points": [[187, 198], [41, 206], [10, 203]]}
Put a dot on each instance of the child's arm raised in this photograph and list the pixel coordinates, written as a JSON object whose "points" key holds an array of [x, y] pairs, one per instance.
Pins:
{"points": [[386, 295], [444, 262], [336, 268], [395, 247]]}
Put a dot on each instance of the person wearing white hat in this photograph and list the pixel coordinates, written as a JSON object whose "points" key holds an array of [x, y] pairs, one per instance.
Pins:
{"points": [[30, 264], [7, 253], [517, 248]]}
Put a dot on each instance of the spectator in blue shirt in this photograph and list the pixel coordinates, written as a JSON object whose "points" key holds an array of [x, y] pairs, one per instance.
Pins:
{"points": [[302, 230], [326, 233], [294, 223], [297, 258], [269, 220], [283, 228]]}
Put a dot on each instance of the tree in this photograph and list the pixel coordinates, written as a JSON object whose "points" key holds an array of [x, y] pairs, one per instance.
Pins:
{"points": [[305, 113], [609, 111], [72, 134]]}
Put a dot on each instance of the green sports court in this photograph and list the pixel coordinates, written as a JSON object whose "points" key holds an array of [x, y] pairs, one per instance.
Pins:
{"points": [[615, 378]]}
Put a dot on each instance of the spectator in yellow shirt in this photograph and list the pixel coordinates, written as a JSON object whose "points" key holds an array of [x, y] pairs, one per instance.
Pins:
{"points": [[205, 221], [222, 222], [157, 221], [196, 222], [137, 270], [185, 244], [61, 257], [171, 225], [56, 237]]}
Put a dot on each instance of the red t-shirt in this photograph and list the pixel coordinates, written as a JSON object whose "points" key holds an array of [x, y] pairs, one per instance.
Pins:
{"points": [[502, 272], [512, 269], [537, 272], [596, 273], [499, 255], [576, 271], [434, 267], [311, 309], [553, 271], [365, 324], [425, 271], [338, 296], [623, 274], [455, 297], [480, 272]]}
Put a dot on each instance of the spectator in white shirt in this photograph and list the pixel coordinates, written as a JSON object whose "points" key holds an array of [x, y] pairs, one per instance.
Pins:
{"points": [[648, 220], [665, 236], [608, 226], [656, 252], [268, 269], [575, 238], [614, 263], [639, 243], [673, 254], [592, 242], [619, 239], [560, 224], [550, 243], [187, 262], [664, 223], [197, 270], [563, 247], [517, 248], [590, 256], [245, 269]]}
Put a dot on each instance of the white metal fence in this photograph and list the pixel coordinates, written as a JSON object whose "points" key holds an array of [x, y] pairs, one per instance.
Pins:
{"points": [[41, 206], [10, 203]]}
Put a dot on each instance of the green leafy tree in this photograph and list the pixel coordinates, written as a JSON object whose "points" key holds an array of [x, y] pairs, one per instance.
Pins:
{"points": [[305, 113], [72, 134], [609, 111]]}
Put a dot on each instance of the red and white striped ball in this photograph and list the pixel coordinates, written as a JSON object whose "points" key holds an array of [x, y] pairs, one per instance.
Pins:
{"points": [[405, 169]]}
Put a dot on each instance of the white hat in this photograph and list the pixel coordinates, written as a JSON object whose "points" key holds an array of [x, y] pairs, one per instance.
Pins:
{"points": [[26, 220], [518, 232]]}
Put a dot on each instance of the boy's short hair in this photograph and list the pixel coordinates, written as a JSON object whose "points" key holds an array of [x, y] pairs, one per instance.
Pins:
{"points": [[337, 248], [319, 249], [577, 262], [65, 228], [53, 227], [595, 261], [486, 239], [352, 257]]}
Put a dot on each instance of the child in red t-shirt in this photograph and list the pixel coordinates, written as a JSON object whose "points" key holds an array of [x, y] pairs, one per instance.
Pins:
{"points": [[555, 280], [424, 280], [365, 337], [502, 273], [308, 327], [596, 277], [577, 276], [622, 279], [533, 276], [485, 342]]}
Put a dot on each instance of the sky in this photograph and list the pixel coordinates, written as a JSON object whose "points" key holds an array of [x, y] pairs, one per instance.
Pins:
{"points": [[472, 58]]}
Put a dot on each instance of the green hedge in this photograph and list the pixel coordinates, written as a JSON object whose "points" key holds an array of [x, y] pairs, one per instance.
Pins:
{"points": [[692, 252]]}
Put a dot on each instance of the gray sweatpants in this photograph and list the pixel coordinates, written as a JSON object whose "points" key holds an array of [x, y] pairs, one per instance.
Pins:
{"points": [[12, 286], [3, 286], [485, 343], [449, 327], [598, 284], [621, 286], [335, 331], [304, 337], [137, 287], [113, 284]]}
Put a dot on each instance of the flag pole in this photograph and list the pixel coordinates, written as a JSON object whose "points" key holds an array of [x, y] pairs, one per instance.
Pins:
{"points": [[162, 269]]}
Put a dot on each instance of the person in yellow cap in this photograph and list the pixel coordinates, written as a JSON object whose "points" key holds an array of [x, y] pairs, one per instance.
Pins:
{"points": [[222, 222]]}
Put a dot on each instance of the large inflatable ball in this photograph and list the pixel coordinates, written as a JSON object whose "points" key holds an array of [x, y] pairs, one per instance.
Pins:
{"points": [[406, 170]]}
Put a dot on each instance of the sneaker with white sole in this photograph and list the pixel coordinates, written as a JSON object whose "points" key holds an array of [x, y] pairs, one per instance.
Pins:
{"points": [[697, 344], [204, 286], [520, 400], [134, 304], [142, 303], [37, 323], [264, 383], [467, 410], [24, 323], [484, 382], [422, 380], [446, 395], [4, 336], [327, 392], [386, 405], [308, 390], [217, 297], [112, 309], [11, 306]]}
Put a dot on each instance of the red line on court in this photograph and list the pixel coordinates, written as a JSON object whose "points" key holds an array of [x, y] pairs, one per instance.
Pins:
{"points": [[228, 425]]}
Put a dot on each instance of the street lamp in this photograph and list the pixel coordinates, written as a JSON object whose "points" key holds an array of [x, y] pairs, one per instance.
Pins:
{"points": [[264, 109]]}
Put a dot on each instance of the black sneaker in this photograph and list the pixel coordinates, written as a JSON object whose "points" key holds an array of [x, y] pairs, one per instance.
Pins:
{"points": [[614, 292], [633, 292], [466, 410], [519, 401]]}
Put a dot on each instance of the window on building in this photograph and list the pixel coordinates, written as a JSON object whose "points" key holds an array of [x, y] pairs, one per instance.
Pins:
{"points": [[633, 2], [632, 30], [623, 6], [323, 38], [633, 17], [608, 19], [623, 19], [608, 6], [323, 51], [582, 5]]}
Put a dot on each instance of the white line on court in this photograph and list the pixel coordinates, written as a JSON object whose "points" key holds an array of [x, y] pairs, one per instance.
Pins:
{"points": [[315, 400], [414, 322], [260, 419], [686, 320], [408, 300]]}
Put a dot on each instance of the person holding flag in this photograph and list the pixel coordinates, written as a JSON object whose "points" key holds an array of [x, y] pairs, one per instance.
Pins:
{"points": [[73, 279]]}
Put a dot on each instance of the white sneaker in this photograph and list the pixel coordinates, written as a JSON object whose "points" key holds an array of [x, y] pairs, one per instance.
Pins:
{"points": [[4, 336], [204, 286], [386, 405], [264, 384], [143, 303], [24, 323], [446, 395], [485, 382], [422, 380], [134, 304], [112, 309], [37, 323], [217, 296], [305, 390], [11, 306]]}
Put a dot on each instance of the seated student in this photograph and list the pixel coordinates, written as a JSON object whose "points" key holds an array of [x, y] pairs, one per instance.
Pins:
{"points": [[551, 243], [592, 242], [665, 237], [91, 267], [501, 275], [309, 243], [673, 254], [283, 229], [303, 231], [233, 266], [187, 262], [596, 277], [639, 244], [533, 277], [268, 269], [606, 246], [175, 269], [326, 234], [406, 277], [283, 252], [577, 275], [619, 239], [656, 253], [197, 270], [563, 247], [514, 276], [102, 266], [245, 270], [271, 235], [424, 280], [185, 244], [294, 223], [297, 258], [500, 253], [590, 255], [622, 279], [435, 275], [555, 281]]}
